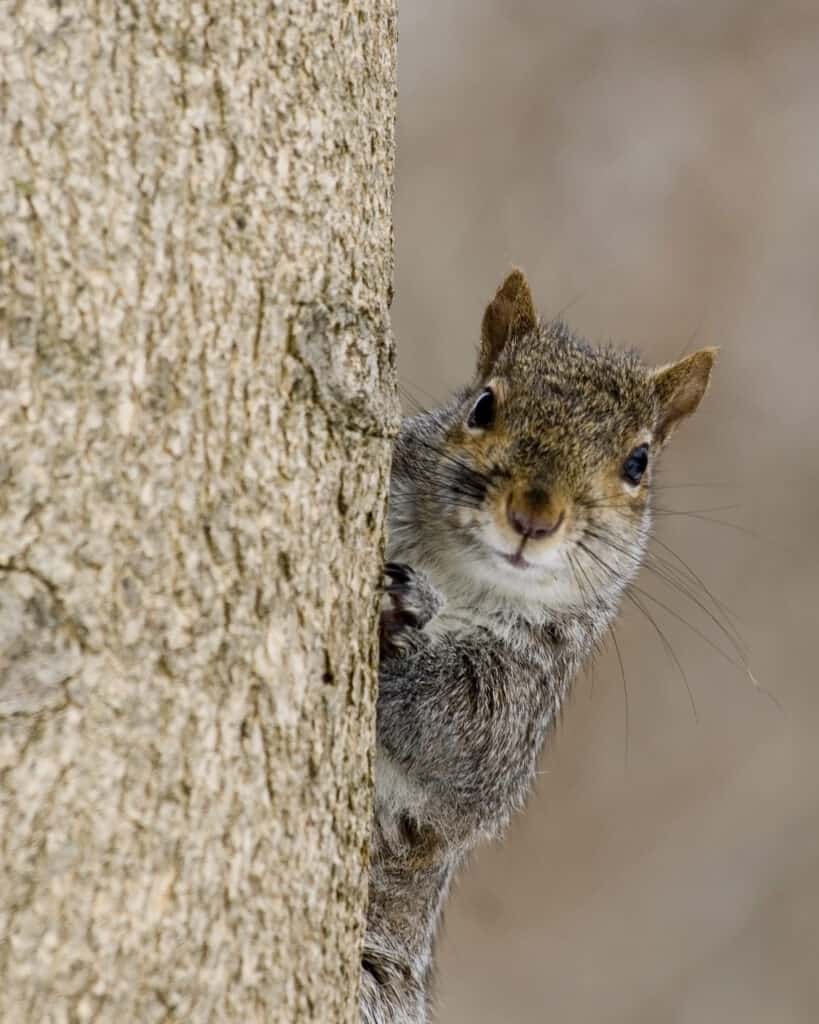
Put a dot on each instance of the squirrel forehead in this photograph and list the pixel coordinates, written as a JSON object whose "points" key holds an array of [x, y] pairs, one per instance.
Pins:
{"points": [[554, 378]]}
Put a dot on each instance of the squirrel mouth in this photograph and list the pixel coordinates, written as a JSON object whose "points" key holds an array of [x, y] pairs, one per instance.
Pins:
{"points": [[517, 559]]}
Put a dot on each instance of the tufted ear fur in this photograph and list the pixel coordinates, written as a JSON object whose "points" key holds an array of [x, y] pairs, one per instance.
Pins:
{"points": [[680, 387], [510, 314]]}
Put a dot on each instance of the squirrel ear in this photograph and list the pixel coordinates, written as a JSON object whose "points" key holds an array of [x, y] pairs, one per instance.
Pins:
{"points": [[510, 314], [680, 387]]}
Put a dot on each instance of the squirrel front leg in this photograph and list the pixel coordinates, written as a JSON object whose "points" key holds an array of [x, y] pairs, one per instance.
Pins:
{"points": [[455, 714]]}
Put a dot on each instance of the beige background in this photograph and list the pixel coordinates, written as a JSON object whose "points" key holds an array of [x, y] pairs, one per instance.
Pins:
{"points": [[654, 166]]}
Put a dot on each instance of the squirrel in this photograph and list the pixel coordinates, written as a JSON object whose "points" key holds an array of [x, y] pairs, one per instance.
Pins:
{"points": [[518, 514]]}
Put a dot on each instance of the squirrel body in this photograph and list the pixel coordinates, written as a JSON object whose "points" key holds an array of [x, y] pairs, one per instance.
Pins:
{"points": [[519, 513]]}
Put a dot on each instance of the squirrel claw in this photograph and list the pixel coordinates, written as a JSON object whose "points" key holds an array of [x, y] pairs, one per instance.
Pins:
{"points": [[399, 574], [410, 601]]}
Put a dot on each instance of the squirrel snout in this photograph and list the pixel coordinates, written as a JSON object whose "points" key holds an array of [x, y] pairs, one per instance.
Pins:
{"points": [[534, 515]]}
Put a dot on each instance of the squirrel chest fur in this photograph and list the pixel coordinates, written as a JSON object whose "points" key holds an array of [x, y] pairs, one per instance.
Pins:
{"points": [[519, 513]]}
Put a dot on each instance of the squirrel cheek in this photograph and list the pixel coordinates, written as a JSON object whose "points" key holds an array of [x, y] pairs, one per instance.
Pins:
{"points": [[610, 490], [498, 516], [463, 516], [631, 497]]}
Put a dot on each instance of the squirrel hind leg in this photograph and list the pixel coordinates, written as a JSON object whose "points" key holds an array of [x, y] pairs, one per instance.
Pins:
{"points": [[390, 994]]}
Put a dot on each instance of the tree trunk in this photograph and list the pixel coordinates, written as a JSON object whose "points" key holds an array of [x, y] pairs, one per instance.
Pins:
{"points": [[196, 398]]}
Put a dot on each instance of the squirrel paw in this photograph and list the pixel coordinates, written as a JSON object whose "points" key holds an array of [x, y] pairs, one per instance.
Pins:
{"points": [[409, 602]]}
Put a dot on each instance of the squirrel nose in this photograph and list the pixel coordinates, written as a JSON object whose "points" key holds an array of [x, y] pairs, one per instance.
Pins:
{"points": [[535, 517]]}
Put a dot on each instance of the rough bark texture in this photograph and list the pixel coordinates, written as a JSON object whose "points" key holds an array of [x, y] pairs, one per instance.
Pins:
{"points": [[197, 396]]}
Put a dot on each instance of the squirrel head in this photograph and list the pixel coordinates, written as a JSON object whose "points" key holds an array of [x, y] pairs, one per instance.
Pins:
{"points": [[545, 464]]}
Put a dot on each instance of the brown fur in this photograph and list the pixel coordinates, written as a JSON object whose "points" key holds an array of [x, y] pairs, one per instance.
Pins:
{"points": [[510, 314]]}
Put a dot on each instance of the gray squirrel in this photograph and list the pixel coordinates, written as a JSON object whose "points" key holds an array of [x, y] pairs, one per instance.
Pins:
{"points": [[519, 512]]}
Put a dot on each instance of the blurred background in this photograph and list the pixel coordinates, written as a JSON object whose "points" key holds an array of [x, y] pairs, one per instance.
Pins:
{"points": [[654, 167]]}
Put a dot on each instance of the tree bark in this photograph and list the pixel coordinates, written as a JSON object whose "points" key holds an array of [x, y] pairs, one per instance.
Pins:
{"points": [[196, 401]]}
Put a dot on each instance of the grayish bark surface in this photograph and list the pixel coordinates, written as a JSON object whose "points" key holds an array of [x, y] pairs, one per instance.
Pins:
{"points": [[197, 396]]}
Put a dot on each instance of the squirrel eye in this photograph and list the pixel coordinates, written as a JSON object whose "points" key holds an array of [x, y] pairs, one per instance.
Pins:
{"points": [[635, 465], [483, 411]]}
